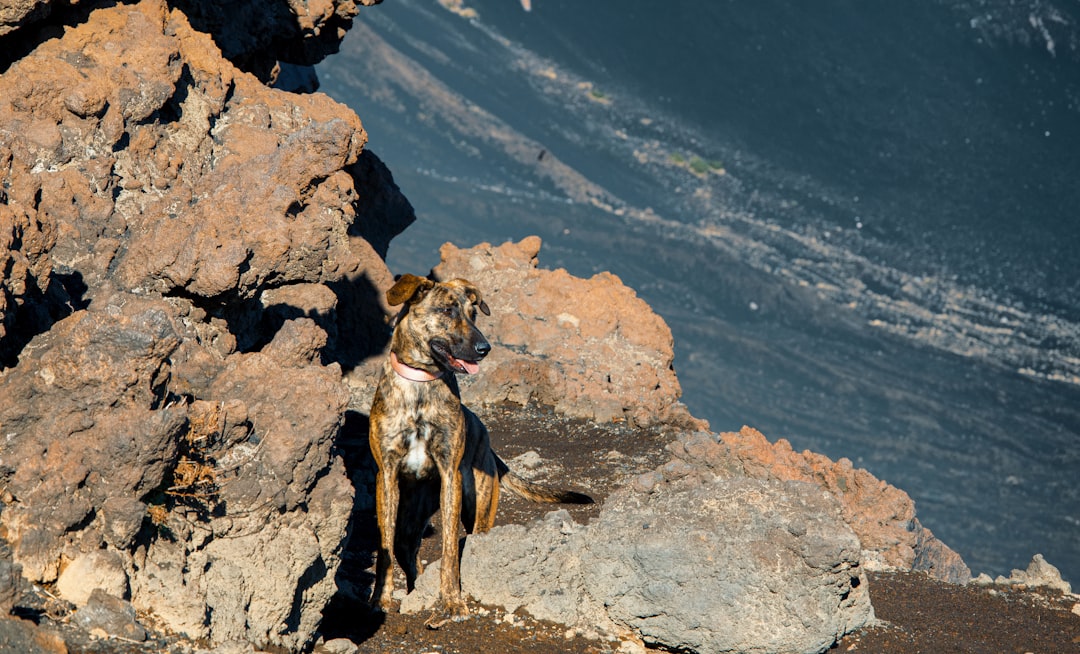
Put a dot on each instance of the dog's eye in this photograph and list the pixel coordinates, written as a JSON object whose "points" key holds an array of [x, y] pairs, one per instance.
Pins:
{"points": [[446, 311]]}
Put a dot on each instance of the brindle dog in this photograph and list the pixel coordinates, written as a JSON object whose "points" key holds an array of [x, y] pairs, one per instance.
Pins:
{"points": [[432, 452]]}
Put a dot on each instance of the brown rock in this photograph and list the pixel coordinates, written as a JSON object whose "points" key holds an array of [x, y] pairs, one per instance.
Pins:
{"points": [[590, 348], [254, 35], [25, 242], [15, 13], [83, 421], [269, 488], [181, 275], [882, 516], [189, 214]]}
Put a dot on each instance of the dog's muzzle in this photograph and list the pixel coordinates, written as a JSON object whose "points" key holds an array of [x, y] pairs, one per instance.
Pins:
{"points": [[463, 359]]}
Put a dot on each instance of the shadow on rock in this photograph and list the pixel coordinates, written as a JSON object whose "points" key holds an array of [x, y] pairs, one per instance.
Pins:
{"points": [[38, 310], [348, 615]]}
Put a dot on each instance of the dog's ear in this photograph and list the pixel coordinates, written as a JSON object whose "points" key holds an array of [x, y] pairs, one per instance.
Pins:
{"points": [[408, 288], [473, 294]]}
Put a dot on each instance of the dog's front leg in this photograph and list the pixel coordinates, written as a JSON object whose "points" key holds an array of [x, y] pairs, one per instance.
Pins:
{"points": [[387, 495], [451, 605]]}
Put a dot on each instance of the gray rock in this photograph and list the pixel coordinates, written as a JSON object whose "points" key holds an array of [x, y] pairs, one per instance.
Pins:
{"points": [[1040, 572], [24, 637], [110, 614], [737, 565], [733, 565], [337, 646], [122, 518]]}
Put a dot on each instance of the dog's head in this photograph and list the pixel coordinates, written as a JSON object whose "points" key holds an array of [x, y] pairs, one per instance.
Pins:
{"points": [[436, 324]]}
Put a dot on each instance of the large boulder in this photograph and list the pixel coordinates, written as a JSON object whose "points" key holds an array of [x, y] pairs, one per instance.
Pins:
{"points": [[725, 565], [733, 544], [738, 565], [85, 422], [184, 279], [253, 34], [280, 495], [591, 348]]}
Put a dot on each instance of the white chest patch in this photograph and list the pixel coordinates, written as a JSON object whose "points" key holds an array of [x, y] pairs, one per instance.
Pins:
{"points": [[417, 458]]}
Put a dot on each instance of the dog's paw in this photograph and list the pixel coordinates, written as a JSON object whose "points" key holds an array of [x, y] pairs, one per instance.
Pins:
{"points": [[448, 611], [384, 604]]}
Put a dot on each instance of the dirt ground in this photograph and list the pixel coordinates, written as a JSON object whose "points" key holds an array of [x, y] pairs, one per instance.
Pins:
{"points": [[918, 614]]}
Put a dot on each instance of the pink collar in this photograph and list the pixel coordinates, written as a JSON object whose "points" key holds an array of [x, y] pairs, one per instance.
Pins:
{"points": [[410, 373]]}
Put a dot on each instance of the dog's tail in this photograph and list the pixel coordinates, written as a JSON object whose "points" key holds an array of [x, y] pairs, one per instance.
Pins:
{"points": [[535, 492]]}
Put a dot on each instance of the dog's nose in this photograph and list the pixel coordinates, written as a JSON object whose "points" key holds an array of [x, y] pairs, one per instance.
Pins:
{"points": [[482, 348]]}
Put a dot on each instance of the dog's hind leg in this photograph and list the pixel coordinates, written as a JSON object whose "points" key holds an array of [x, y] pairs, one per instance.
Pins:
{"points": [[479, 500], [487, 495], [480, 481]]}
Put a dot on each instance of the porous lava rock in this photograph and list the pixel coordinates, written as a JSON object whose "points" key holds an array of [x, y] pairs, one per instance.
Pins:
{"points": [[881, 515], [191, 263], [184, 278], [589, 347], [15, 13], [724, 565], [256, 35]]}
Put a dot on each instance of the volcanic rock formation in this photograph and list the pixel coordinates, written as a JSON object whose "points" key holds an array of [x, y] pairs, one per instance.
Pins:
{"points": [[192, 301]]}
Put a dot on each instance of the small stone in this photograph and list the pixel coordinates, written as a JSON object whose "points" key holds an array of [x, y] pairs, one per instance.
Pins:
{"points": [[106, 616], [648, 481], [527, 461], [98, 569], [338, 646], [983, 580]]}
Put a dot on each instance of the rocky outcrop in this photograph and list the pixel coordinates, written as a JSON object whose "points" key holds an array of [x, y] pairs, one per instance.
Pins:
{"points": [[256, 35], [1040, 573], [183, 252], [734, 544], [191, 265], [882, 516], [720, 565], [17, 13], [589, 347]]}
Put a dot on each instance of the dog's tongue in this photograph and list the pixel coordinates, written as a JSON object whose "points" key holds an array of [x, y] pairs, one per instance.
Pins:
{"points": [[471, 367]]}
